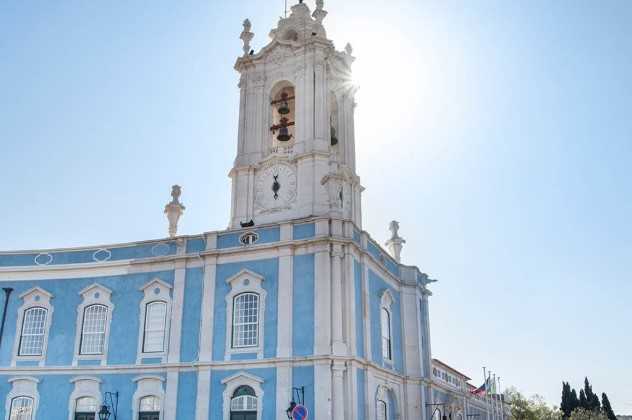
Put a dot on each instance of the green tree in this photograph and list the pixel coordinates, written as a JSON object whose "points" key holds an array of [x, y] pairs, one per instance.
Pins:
{"points": [[533, 408], [574, 401], [583, 401], [592, 400], [582, 414], [565, 406], [607, 409]]}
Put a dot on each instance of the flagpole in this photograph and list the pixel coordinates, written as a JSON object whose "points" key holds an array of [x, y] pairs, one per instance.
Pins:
{"points": [[491, 395], [502, 407], [495, 396], [486, 391]]}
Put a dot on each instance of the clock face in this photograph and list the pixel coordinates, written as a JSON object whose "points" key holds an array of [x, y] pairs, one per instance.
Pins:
{"points": [[275, 188]]}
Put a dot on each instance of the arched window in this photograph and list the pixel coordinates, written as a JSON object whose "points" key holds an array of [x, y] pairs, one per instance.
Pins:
{"points": [[246, 320], [85, 408], [382, 410], [33, 332], [243, 404], [386, 334], [93, 329], [154, 334], [149, 408], [21, 408]]}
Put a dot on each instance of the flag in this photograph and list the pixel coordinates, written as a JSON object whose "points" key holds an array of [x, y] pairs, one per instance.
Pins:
{"points": [[481, 390]]}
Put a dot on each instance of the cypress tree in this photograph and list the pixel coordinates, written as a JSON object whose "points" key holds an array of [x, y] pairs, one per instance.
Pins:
{"points": [[592, 400], [565, 406], [574, 401], [583, 401], [607, 409]]}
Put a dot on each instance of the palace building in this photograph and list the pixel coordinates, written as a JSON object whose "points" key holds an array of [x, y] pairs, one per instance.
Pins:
{"points": [[293, 302]]}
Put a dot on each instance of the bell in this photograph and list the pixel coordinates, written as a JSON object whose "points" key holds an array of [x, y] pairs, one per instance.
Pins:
{"points": [[284, 134], [284, 108], [334, 139]]}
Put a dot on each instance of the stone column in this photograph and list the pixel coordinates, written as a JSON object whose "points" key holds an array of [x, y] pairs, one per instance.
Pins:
{"points": [[338, 390], [339, 348]]}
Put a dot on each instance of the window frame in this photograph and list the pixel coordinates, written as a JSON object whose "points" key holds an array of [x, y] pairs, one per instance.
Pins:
{"points": [[32, 299], [84, 386], [93, 295], [236, 324], [21, 397], [386, 304], [154, 291], [245, 281], [237, 380], [22, 387], [83, 352], [148, 386]]}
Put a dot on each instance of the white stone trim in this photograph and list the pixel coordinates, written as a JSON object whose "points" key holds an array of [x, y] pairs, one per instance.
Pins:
{"points": [[243, 282], [22, 386], [84, 386], [232, 382], [163, 294], [94, 294], [148, 385], [386, 303], [33, 298]]}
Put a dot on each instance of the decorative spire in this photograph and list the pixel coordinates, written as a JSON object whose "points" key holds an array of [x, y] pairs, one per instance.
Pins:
{"points": [[174, 210], [348, 49], [394, 244], [247, 36], [320, 13]]}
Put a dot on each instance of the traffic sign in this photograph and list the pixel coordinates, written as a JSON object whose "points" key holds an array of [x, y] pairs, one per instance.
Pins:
{"points": [[300, 412]]}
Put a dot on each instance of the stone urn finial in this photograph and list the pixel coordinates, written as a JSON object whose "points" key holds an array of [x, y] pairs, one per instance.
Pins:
{"points": [[174, 210], [396, 242], [246, 36]]}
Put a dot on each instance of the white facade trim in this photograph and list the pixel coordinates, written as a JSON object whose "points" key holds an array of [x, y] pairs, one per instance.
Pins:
{"points": [[22, 386], [94, 294], [146, 386], [33, 298], [154, 291], [232, 382], [243, 282], [84, 386]]}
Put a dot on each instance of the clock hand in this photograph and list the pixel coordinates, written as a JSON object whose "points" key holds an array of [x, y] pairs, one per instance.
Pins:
{"points": [[276, 186]]}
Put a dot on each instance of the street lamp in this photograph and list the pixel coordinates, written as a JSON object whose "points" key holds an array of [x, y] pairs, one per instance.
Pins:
{"points": [[104, 412]]}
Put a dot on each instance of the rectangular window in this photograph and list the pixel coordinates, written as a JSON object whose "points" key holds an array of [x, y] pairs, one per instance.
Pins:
{"points": [[154, 334], [93, 330], [21, 408], [246, 320], [33, 331]]}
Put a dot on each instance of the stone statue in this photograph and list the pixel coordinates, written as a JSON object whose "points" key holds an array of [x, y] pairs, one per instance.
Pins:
{"points": [[396, 242], [247, 36], [174, 210]]}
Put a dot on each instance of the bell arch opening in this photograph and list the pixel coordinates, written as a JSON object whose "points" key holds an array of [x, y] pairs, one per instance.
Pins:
{"points": [[283, 114]]}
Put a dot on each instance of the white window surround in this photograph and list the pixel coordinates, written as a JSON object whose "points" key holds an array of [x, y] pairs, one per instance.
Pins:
{"points": [[155, 290], [233, 382], [242, 282], [33, 298], [22, 386], [84, 386], [93, 295], [386, 303], [146, 386], [381, 402]]}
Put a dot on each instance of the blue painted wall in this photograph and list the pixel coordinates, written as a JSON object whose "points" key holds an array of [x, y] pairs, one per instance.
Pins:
{"points": [[266, 235], [303, 231], [187, 394], [124, 329], [361, 392], [376, 287], [269, 269], [303, 376], [303, 305], [191, 313]]}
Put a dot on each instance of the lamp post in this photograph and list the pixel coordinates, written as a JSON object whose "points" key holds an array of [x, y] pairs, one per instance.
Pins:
{"points": [[300, 394], [104, 412]]}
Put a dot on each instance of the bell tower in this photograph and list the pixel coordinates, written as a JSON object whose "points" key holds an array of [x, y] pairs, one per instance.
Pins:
{"points": [[296, 147]]}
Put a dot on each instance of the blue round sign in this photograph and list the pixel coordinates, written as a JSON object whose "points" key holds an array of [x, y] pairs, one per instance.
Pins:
{"points": [[300, 412]]}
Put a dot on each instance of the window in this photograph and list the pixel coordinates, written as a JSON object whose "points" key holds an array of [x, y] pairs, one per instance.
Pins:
{"points": [[241, 397], [155, 320], [85, 408], [246, 320], [245, 315], [33, 332], [244, 399], [21, 408], [386, 334], [382, 410], [93, 330], [149, 408]]}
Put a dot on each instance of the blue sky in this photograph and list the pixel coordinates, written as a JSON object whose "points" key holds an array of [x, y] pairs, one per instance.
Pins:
{"points": [[499, 134]]}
